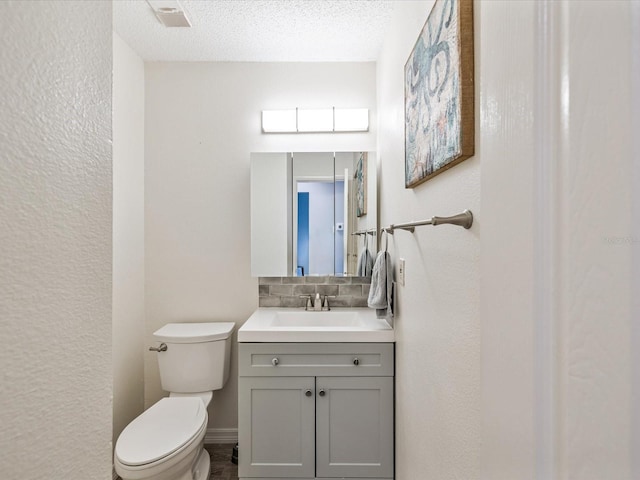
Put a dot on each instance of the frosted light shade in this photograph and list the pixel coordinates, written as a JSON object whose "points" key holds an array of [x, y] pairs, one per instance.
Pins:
{"points": [[279, 121], [351, 120], [315, 120]]}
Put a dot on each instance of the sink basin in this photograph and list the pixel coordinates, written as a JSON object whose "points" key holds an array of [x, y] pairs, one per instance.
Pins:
{"points": [[298, 325], [317, 319]]}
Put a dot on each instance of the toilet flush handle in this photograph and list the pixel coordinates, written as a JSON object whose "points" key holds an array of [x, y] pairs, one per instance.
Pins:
{"points": [[161, 348]]}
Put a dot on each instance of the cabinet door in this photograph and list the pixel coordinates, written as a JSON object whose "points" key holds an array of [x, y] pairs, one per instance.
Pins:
{"points": [[276, 427], [354, 427]]}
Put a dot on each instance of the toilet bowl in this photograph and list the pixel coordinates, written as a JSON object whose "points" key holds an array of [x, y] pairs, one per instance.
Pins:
{"points": [[166, 442]]}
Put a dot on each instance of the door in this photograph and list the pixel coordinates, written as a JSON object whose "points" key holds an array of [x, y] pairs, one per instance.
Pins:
{"points": [[354, 427], [276, 427], [302, 263]]}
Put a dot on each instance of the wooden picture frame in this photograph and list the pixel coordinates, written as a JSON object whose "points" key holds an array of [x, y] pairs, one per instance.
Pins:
{"points": [[439, 93]]}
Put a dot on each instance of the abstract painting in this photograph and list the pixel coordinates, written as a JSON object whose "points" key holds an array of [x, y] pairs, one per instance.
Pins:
{"points": [[439, 93], [360, 177]]}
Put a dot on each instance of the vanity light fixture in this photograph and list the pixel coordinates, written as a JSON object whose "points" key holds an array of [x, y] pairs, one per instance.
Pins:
{"points": [[351, 119], [279, 121], [315, 120]]}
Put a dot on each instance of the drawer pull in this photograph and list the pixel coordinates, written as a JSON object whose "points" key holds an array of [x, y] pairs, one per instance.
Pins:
{"points": [[356, 361], [321, 392], [308, 393], [275, 362]]}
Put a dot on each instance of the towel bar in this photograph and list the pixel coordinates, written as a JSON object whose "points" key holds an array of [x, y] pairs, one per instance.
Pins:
{"points": [[365, 232], [464, 219]]}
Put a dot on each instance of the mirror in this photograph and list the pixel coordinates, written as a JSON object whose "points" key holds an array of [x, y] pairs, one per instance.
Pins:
{"points": [[310, 213]]}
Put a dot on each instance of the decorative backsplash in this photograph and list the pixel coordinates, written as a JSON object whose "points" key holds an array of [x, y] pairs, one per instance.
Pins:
{"points": [[285, 292]]}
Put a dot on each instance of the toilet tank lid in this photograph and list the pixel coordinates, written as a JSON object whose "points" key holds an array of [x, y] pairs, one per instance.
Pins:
{"points": [[194, 332]]}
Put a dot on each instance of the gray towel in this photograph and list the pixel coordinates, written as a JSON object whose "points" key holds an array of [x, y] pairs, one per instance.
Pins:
{"points": [[381, 292], [365, 264]]}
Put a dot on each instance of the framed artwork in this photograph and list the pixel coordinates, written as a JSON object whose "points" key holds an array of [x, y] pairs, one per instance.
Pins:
{"points": [[360, 177], [439, 93]]}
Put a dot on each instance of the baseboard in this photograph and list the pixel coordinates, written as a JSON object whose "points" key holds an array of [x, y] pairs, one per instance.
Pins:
{"points": [[221, 435]]}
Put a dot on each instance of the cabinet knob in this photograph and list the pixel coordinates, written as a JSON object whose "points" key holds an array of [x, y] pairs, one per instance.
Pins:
{"points": [[308, 393], [275, 362], [321, 392], [356, 361]]}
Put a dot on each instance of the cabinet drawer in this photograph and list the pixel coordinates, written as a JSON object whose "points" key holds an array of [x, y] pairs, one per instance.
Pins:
{"points": [[315, 359]]}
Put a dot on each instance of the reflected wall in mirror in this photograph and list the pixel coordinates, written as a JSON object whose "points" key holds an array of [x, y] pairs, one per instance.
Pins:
{"points": [[305, 216]]}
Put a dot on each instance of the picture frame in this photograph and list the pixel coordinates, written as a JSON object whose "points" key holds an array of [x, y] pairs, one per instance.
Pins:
{"points": [[360, 177], [439, 93]]}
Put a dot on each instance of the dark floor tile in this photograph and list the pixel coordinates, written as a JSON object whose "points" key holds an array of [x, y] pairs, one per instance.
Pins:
{"points": [[221, 466]]}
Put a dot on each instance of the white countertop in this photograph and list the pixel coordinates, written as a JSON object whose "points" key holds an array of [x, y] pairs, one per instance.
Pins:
{"points": [[297, 325]]}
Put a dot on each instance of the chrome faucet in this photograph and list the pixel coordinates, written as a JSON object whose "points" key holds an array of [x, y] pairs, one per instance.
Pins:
{"points": [[317, 304]]}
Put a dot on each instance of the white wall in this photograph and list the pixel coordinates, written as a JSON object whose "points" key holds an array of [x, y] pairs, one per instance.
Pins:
{"points": [[202, 122], [437, 325], [55, 217], [128, 235], [515, 339]]}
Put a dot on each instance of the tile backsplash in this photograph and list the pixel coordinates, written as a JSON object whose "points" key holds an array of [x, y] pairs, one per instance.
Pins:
{"points": [[285, 292]]}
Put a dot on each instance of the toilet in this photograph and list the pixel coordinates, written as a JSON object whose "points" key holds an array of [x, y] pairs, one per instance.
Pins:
{"points": [[166, 442]]}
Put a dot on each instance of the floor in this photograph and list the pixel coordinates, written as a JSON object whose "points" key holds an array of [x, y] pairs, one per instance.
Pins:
{"points": [[221, 466]]}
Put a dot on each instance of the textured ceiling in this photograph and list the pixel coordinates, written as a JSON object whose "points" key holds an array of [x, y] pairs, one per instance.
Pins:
{"points": [[258, 30]]}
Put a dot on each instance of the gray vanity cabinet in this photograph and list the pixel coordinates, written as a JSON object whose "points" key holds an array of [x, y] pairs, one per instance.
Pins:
{"points": [[354, 427], [277, 427], [319, 411]]}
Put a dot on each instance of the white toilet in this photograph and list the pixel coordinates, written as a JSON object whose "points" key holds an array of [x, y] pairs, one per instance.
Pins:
{"points": [[166, 441]]}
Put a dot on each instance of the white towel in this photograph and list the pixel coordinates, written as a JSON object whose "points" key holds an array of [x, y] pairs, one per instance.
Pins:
{"points": [[381, 292], [365, 264]]}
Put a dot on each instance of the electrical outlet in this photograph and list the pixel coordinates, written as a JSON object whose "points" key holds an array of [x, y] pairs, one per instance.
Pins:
{"points": [[401, 272]]}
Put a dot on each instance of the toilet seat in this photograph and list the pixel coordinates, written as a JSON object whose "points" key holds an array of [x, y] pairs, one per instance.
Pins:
{"points": [[162, 431]]}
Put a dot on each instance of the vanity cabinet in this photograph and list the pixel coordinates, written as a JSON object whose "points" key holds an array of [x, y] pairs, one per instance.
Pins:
{"points": [[318, 411]]}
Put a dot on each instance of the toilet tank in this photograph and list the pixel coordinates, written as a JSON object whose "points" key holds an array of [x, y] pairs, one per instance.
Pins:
{"points": [[197, 357]]}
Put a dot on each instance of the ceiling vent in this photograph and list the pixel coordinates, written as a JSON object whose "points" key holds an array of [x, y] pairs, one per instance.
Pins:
{"points": [[170, 13]]}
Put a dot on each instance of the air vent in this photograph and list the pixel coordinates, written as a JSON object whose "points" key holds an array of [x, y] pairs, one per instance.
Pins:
{"points": [[170, 13]]}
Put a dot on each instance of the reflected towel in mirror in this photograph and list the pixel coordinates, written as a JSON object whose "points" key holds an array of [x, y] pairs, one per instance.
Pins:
{"points": [[381, 292], [365, 264]]}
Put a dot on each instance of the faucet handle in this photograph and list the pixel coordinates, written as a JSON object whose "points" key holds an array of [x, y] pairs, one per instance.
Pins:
{"points": [[325, 302], [308, 305]]}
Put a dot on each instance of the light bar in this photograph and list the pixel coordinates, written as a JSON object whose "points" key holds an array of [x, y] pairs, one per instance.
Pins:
{"points": [[316, 120], [279, 121], [351, 119]]}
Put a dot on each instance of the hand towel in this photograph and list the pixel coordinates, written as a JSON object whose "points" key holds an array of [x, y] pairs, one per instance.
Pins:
{"points": [[381, 291], [365, 264]]}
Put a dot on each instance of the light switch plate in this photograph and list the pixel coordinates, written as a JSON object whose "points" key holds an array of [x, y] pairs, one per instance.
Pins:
{"points": [[401, 272]]}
